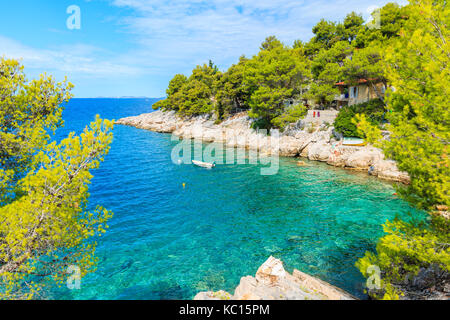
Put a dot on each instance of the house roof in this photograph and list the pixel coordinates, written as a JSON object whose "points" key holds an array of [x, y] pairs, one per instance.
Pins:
{"points": [[360, 81]]}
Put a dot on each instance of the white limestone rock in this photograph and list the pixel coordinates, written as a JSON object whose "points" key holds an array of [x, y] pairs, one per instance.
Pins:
{"points": [[272, 282], [237, 132]]}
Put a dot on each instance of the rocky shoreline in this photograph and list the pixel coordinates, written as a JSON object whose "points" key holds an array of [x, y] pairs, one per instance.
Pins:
{"points": [[308, 140], [272, 282]]}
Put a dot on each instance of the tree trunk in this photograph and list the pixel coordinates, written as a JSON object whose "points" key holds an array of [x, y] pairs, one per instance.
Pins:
{"points": [[379, 95]]}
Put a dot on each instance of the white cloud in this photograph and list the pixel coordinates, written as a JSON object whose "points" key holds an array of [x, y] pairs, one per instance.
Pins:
{"points": [[71, 59], [172, 36], [182, 33]]}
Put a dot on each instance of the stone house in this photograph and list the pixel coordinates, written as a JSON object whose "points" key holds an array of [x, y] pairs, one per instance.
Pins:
{"points": [[360, 92]]}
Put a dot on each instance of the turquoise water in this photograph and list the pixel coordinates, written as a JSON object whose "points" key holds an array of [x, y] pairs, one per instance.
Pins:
{"points": [[166, 242]]}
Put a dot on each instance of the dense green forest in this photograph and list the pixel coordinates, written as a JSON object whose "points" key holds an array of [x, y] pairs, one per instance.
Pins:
{"points": [[349, 50]]}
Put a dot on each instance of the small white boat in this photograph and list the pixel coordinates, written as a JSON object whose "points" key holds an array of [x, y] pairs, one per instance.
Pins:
{"points": [[204, 164], [354, 142]]}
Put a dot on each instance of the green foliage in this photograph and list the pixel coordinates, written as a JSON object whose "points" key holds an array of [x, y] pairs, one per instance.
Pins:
{"points": [[271, 43], [373, 111], [419, 113], [267, 103], [417, 67], [161, 105], [231, 92], [261, 84], [392, 18], [206, 74], [174, 94], [322, 93], [28, 111], [44, 222], [291, 115], [326, 70], [176, 84], [404, 250], [196, 98], [273, 76], [299, 44], [191, 96], [278, 72], [366, 64], [213, 66], [352, 25], [325, 36], [330, 57]]}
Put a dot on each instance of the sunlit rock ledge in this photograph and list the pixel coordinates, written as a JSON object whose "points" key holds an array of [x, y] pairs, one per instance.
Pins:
{"points": [[318, 144], [272, 282]]}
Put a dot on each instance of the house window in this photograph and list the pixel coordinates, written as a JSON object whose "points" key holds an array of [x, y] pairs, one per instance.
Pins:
{"points": [[354, 92]]}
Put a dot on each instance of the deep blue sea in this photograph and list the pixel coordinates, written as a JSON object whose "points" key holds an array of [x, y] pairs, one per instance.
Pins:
{"points": [[170, 242]]}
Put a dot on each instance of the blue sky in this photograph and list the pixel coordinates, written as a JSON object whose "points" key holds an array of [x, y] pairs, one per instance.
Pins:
{"points": [[134, 47]]}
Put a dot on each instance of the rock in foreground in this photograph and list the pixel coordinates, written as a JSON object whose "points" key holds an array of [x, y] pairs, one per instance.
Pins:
{"points": [[272, 282]]}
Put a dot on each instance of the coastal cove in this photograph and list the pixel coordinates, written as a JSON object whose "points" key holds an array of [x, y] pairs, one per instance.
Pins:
{"points": [[170, 242], [313, 139]]}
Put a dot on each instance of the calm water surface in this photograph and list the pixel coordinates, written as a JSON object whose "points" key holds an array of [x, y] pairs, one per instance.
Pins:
{"points": [[166, 242]]}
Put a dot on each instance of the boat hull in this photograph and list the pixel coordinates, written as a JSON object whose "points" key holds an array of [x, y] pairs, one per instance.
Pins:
{"points": [[203, 164], [354, 143]]}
